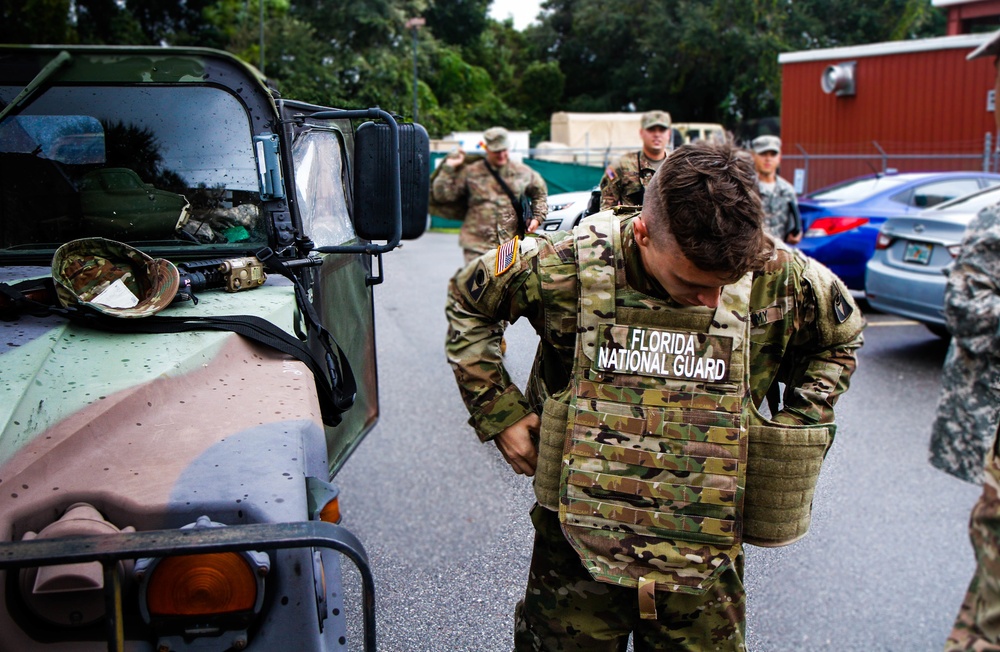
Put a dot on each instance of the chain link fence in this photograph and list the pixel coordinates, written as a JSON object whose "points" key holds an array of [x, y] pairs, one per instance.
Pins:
{"points": [[810, 169]]}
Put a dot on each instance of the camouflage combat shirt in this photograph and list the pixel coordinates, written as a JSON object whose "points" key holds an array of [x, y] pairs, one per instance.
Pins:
{"points": [[779, 218], [491, 218], [805, 329], [969, 406], [623, 180]]}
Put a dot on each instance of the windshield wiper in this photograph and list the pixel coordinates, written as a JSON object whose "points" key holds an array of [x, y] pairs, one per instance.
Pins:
{"points": [[45, 74]]}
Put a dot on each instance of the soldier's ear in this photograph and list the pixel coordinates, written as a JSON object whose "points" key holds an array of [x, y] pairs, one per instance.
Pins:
{"points": [[641, 231]]}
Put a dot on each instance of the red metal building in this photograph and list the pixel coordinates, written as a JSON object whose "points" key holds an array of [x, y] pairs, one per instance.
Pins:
{"points": [[966, 16], [904, 105]]}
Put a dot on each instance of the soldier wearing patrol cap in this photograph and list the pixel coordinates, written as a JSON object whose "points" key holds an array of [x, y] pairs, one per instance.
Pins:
{"points": [[624, 182], [491, 217], [662, 333], [966, 428], [781, 208]]}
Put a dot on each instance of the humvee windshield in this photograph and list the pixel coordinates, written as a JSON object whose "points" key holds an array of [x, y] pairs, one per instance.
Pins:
{"points": [[159, 167]]}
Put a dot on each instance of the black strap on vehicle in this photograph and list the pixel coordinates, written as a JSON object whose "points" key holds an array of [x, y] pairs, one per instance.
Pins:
{"points": [[335, 383], [342, 381], [521, 207]]}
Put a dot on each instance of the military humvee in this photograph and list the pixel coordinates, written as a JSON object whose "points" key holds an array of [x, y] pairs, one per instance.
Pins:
{"points": [[165, 482]]}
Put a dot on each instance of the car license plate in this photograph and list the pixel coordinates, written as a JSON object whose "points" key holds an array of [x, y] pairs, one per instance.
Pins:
{"points": [[917, 252]]}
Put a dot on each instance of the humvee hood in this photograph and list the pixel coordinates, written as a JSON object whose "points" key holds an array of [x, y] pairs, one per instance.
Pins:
{"points": [[87, 413]]}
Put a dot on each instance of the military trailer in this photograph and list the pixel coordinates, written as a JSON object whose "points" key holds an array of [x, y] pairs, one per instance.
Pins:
{"points": [[166, 480]]}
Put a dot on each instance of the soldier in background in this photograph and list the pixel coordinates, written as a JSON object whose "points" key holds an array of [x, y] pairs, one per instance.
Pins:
{"points": [[634, 391], [492, 215], [781, 208], [624, 182], [967, 422]]}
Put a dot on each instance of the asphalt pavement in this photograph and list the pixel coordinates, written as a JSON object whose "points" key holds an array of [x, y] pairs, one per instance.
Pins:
{"points": [[445, 522]]}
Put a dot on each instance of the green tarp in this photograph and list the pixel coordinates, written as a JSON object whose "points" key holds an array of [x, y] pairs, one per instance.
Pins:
{"points": [[559, 177]]}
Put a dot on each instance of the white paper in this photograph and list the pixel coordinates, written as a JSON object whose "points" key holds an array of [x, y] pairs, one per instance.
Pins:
{"points": [[117, 296]]}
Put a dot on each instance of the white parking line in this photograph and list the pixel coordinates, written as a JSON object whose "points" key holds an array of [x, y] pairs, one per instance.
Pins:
{"points": [[896, 322]]}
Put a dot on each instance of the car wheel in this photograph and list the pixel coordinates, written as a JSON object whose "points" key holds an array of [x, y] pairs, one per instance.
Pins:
{"points": [[939, 330]]}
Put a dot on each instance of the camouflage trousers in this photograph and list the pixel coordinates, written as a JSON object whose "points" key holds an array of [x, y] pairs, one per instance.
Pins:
{"points": [[977, 627], [565, 609]]}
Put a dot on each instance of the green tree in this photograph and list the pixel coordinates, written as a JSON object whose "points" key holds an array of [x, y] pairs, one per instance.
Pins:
{"points": [[36, 21], [538, 94], [458, 22], [705, 59], [105, 21]]}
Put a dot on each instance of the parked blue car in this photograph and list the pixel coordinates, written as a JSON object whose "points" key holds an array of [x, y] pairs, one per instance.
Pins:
{"points": [[842, 221]]}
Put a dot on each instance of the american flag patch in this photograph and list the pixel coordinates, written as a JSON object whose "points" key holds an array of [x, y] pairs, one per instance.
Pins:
{"points": [[506, 255]]}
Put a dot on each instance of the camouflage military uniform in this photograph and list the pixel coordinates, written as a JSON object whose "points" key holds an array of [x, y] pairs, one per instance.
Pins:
{"points": [[779, 215], [969, 407], [794, 338], [622, 181], [968, 419], [491, 218]]}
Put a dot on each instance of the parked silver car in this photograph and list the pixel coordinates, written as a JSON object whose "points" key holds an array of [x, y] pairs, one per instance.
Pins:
{"points": [[566, 209], [905, 274]]}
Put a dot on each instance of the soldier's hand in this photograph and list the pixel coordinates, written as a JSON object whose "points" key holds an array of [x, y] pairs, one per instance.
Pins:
{"points": [[516, 445], [532, 225], [793, 239], [455, 158]]}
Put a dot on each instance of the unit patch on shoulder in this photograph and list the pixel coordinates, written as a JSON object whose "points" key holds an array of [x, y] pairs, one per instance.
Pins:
{"points": [[506, 255], [476, 283], [842, 310]]}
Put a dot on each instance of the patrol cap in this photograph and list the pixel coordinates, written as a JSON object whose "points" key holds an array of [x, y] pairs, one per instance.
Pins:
{"points": [[656, 119], [113, 278], [990, 48], [763, 144], [497, 139]]}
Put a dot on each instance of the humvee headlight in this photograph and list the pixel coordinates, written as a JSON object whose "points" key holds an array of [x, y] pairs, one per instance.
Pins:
{"points": [[185, 596], [201, 585]]}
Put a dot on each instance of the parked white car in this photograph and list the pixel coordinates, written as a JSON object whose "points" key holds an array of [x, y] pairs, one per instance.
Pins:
{"points": [[566, 209]]}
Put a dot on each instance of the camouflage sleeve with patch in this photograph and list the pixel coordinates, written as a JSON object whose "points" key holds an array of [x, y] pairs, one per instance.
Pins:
{"points": [[609, 187], [806, 331], [972, 296], [502, 285], [449, 185], [619, 179]]}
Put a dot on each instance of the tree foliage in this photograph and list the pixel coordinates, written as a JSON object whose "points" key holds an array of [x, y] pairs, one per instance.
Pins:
{"points": [[712, 60]]}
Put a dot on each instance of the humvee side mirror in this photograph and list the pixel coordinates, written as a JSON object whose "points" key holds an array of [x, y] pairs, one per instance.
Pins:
{"points": [[390, 193], [374, 209]]}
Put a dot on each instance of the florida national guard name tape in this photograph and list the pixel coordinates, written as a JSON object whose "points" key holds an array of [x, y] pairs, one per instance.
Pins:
{"points": [[664, 353]]}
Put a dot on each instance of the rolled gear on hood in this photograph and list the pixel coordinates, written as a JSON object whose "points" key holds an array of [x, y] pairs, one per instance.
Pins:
{"points": [[113, 278]]}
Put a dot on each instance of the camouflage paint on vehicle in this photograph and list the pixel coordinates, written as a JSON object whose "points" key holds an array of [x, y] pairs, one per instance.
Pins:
{"points": [[184, 155]]}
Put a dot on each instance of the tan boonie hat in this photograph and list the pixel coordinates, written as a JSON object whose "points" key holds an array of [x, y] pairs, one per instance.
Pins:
{"points": [[497, 139], [113, 278], [990, 48], [763, 144], [656, 119]]}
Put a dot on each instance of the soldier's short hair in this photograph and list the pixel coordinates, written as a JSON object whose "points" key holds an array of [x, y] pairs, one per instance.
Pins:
{"points": [[705, 196]]}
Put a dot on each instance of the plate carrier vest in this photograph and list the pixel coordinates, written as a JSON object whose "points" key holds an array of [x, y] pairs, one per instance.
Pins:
{"points": [[654, 460]]}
